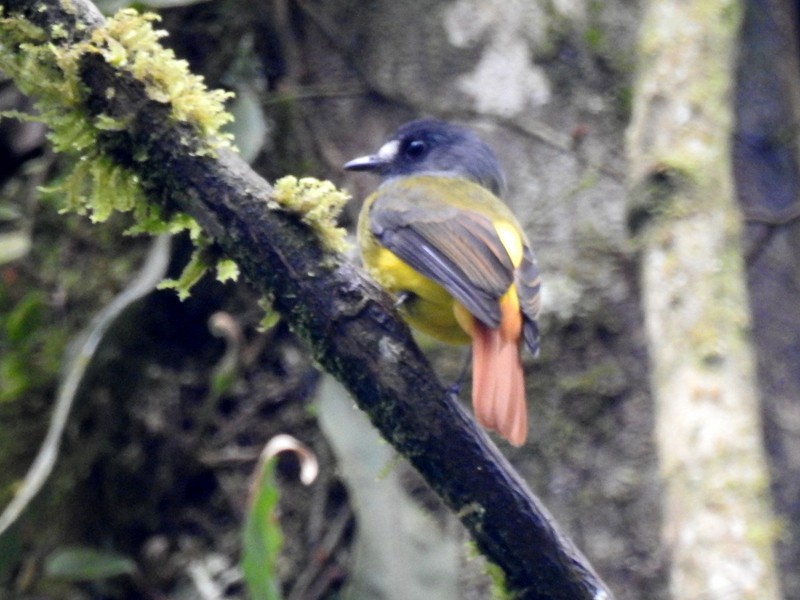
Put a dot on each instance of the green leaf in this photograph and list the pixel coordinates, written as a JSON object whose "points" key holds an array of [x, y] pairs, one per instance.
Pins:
{"points": [[262, 536], [80, 563], [15, 377], [25, 318]]}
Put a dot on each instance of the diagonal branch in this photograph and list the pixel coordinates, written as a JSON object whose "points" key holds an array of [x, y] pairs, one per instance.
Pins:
{"points": [[349, 325]]}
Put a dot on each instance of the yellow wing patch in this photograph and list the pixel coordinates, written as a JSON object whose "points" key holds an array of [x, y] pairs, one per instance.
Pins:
{"points": [[511, 240]]}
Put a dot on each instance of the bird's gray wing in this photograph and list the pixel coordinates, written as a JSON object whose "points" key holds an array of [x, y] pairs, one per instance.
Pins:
{"points": [[458, 249]]}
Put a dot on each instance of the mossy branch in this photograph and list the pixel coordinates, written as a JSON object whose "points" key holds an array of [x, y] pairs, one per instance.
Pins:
{"points": [[284, 245]]}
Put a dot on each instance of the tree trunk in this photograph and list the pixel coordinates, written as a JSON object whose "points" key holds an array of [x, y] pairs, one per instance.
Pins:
{"points": [[683, 209]]}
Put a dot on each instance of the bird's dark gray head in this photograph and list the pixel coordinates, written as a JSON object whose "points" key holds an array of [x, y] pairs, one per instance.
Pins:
{"points": [[436, 147]]}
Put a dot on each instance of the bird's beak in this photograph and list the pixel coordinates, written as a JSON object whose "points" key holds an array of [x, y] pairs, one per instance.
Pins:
{"points": [[373, 162]]}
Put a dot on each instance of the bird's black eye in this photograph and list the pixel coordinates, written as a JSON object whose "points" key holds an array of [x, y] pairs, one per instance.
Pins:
{"points": [[416, 148]]}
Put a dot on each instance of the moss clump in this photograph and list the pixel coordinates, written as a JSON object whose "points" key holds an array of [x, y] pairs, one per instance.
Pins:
{"points": [[318, 203], [203, 258], [49, 73], [128, 41], [96, 185]]}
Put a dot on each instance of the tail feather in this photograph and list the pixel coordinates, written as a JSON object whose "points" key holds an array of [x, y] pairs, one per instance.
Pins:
{"points": [[498, 386], [484, 379]]}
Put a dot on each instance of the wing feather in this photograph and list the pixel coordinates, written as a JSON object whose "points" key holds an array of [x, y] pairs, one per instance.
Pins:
{"points": [[457, 248], [528, 285]]}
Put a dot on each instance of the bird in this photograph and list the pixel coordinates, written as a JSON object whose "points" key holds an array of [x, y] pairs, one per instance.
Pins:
{"points": [[437, 236]]}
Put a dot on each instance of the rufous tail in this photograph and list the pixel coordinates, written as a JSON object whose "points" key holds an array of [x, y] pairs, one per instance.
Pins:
{"points": [[498, 383]]}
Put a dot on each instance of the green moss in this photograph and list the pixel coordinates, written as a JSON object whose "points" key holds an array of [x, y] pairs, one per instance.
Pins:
{"points": [[498, 579], [128, 41], [96, 185], [227, 270], [318, 203], [192, 273], [49, 74], [496, 576], [271, 316], [201, 261]]}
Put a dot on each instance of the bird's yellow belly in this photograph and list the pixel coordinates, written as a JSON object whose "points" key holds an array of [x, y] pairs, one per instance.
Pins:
{"points": [[429, 308]]}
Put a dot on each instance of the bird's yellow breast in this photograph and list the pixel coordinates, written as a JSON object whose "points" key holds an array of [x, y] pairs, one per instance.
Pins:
{"points": [[429, 307]]}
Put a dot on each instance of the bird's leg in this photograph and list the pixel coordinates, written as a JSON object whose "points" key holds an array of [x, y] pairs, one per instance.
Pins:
{"points": [[402, 298], [455, 387]]}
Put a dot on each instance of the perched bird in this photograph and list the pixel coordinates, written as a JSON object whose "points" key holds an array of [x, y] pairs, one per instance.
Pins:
{"points": [[436, 234]]}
